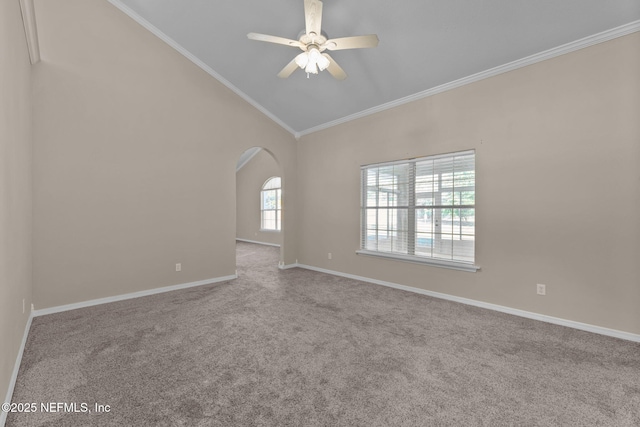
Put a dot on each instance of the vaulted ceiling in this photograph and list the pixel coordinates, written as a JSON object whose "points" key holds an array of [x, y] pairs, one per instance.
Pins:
{"points": [[425, 46]]}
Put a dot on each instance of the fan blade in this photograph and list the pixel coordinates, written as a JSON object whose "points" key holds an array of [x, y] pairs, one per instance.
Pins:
{"points": [[313, 16], [334, 69], [288, 69], [274, 39], [355, 42]]}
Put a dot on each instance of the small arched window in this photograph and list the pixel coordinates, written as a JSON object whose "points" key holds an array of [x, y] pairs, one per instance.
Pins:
{"points": [[270, 204]]}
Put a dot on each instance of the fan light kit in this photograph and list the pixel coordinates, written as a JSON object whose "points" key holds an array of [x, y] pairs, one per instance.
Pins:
{"points": [[313, 44]]}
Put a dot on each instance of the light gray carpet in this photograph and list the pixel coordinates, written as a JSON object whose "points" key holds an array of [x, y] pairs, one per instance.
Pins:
{"points": [[298, 347]]}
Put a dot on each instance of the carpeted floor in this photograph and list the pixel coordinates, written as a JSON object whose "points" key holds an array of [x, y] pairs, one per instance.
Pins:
{"points": [[301, 348]]}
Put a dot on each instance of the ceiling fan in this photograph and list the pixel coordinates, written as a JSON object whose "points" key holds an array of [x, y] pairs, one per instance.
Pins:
{"points": [[313, 42]]}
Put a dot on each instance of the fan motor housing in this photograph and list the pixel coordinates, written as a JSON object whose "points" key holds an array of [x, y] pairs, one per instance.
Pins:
{"points": [[312, 38]]}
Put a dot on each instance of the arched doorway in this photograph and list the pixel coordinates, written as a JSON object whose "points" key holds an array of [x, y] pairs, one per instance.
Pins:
{"points": [[258, 208]]}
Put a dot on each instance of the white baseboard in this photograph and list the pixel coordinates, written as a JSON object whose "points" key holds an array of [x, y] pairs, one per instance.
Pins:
{"points": [[259, 243], [16, 368], [67, 307], [527, 314], [514, 311], [131, 295]]}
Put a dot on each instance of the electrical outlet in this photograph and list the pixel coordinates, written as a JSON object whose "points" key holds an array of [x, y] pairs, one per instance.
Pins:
{"points": [[329, 255], [178, 267], [541, 289]]}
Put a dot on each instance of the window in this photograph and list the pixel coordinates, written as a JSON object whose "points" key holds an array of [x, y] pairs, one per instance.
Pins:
{"points": [[421, 210], [270, 204]]}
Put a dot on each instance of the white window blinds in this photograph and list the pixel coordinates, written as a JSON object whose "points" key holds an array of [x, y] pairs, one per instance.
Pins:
{"points": [[421, 208]]}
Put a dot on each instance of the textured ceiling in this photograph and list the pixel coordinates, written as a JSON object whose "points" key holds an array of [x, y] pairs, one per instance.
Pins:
{"points": [[423, 44]]}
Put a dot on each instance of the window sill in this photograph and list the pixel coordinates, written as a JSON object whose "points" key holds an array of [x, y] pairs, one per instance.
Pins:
{"points": [[264, 230], [454, 265]]}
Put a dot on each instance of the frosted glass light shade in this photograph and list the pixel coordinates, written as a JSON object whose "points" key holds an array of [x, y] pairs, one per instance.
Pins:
{"points": [[312, 61], [302, 60], [323, 62]]}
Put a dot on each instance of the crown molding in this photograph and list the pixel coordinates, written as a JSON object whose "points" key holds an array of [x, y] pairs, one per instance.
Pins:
{"points": [[601, 37], [191, 57], [30, 30], [604, 36]]}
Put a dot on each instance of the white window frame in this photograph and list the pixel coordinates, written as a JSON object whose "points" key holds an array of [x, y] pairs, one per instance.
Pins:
{"points": [[278, 205], [402, 205]]}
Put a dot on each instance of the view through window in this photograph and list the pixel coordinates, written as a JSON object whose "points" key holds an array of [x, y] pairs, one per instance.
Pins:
{"points": [[421, 209], [271, 205]]}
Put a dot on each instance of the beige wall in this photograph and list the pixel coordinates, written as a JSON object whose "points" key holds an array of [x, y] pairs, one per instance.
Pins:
{"points": [[15, 187], [249, 182], [135, 147], [558, 185], [134, 157]]}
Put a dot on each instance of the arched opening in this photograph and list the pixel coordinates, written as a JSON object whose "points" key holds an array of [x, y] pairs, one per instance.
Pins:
{"points": [[258, 200]]}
